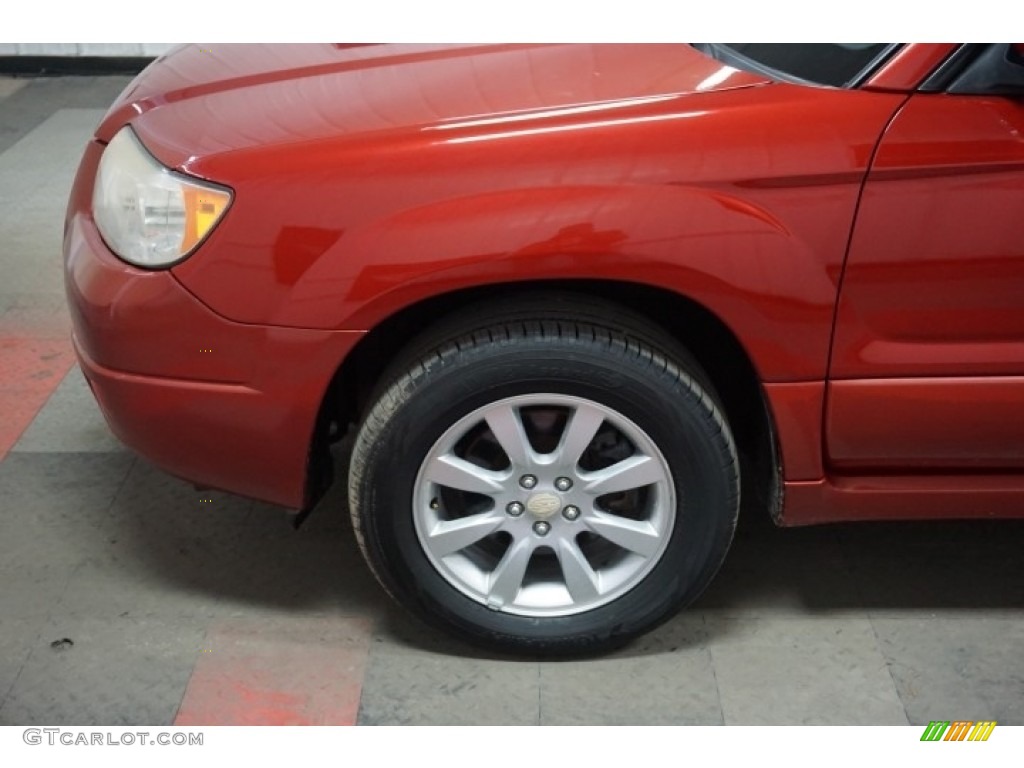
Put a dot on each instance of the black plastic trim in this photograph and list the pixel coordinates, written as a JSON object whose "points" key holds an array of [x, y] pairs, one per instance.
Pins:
{"points": [[874, 65], [73, 65], [727, 55], [996, 71], [954, 65]]}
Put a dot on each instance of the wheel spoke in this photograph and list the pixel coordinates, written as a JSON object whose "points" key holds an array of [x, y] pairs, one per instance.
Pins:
{"points": [[507, 577], [635, 535], [580, 578], [579, 433], [634, 472], [453, 472], [487, 553], [507, 426], [449, 536]]}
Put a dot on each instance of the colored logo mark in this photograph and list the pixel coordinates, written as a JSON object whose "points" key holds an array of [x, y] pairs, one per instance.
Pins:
{"points": [[958, 730]]}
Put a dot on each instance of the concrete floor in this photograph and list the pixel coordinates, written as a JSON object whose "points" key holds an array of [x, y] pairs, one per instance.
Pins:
{"points": [[129, 598]]}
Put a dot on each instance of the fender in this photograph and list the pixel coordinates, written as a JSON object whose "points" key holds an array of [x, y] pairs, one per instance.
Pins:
{"points": [[370, 223], [763, 276], [765, 281]]}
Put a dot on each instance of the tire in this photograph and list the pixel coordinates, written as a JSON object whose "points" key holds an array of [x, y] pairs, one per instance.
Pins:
{"points": [[551, 485]]}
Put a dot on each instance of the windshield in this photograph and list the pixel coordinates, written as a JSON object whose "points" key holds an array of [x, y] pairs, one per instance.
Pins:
{"points": [[835, 64]]}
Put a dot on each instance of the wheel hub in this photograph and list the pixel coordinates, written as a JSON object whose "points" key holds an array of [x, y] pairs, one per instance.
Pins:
{"points": [[543, 505]]}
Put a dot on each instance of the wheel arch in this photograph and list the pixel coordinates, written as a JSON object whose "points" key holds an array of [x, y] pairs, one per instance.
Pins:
{"points": [[714, 345]]}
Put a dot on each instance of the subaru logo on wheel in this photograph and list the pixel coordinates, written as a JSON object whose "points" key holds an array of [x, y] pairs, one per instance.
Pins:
{"points": [[543, 505]]}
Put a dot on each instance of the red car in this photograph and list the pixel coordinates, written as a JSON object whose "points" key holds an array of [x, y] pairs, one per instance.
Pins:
{"points": [[571, 298]]}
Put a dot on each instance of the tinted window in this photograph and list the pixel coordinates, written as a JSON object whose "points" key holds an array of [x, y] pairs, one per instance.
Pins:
{"points": [[834, 64]]}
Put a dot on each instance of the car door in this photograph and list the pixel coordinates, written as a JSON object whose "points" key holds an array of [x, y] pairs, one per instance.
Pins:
{"points": [[927, 369]]}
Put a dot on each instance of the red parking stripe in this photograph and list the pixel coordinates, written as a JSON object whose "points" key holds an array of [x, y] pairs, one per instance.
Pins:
{"points": [[278, 672], [30, 369]]}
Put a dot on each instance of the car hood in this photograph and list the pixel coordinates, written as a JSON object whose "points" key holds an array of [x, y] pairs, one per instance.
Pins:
{"points": [[203, 100]]}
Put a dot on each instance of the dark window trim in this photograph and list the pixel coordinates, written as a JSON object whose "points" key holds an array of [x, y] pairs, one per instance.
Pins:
{"points": [[874, 65], [955, 64], [727, 55], [73, 65]]}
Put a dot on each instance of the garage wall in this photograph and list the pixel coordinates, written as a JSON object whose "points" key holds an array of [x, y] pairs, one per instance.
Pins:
{"points": [[83, 49]]}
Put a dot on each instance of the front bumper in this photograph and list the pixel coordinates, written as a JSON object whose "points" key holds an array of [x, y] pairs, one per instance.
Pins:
{"points": [[223, 404]]}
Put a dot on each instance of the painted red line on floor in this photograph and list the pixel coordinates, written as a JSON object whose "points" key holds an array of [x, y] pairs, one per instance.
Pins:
{"points": [[278, 672], [30, 369]]}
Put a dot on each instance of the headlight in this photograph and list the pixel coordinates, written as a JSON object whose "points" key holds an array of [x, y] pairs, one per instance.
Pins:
{"points": [[147, 214]]}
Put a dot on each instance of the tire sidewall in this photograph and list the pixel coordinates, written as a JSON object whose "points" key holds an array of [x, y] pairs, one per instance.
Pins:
{"points": [[665, 403]]}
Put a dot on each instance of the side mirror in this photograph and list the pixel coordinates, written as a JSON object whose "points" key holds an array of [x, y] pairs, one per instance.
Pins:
{"points": [[998, 71]]}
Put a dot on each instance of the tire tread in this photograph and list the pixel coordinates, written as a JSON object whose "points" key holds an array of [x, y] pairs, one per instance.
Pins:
{"points": [[634, 344]]}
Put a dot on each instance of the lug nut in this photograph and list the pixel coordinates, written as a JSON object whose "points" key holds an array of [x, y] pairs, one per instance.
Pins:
{"points": [[541, 528], [563, 483], [528, 481], [515, 509], [571, 512]]}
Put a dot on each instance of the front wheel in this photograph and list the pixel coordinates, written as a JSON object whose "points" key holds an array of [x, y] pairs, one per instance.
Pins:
{"points": [[545, 487]]}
